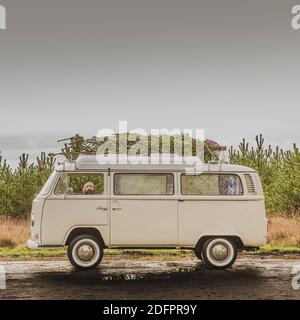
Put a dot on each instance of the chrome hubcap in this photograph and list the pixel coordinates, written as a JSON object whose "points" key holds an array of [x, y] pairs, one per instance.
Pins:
{"points": [[219, 251], [85, 252]]}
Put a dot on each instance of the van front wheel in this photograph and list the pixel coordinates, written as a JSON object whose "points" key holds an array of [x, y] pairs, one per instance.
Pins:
{"points": [[219, 253], [85, 252]]}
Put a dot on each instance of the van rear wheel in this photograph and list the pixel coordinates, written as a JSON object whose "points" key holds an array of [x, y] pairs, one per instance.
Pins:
{"points": [[219, 253], [85, 252]]}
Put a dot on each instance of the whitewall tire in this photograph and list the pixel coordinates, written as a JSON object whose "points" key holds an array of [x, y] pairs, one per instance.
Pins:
{"points": [[85, 252], [219, 253]]}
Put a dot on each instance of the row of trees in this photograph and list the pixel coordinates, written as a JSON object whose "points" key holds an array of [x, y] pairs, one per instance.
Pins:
{"points": [[279, 171], [18, 187]]}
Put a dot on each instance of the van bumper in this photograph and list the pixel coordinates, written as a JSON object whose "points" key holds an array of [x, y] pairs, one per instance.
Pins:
{"points": [[32, 244]]}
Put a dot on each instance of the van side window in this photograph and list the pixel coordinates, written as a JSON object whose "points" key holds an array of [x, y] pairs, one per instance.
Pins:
{"points": [[211, 185], [143, 184], [80, 184]]}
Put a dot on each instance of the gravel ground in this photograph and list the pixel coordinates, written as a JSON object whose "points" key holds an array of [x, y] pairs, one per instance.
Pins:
{"points": [[251, 277]]}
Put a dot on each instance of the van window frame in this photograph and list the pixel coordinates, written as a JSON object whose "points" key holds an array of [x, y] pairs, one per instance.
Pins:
{"points": [[51, 181], [81, 194], [148, 174], [213, 195]]}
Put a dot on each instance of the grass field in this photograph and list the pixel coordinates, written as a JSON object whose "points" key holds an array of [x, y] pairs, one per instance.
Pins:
{"points": [[283, 236]]}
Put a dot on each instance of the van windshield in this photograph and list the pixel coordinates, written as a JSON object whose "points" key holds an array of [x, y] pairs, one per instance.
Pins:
{"points": [[48, 184]]}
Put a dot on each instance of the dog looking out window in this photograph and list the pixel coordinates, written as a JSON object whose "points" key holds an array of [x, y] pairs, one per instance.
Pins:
{"points": [[89, 188]]}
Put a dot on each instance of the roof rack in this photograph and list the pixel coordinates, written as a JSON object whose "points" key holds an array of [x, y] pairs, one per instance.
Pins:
{"points": [[89, 162], [218, 162]]}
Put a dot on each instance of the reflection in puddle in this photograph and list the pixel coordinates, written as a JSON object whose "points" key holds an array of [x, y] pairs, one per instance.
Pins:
{"points": [[123, 277], [124, 271], [160, 273]]}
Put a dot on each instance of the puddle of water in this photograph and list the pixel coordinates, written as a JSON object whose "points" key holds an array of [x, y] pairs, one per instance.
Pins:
{"points": [[148, 275], [129, 277], [119, 271]]}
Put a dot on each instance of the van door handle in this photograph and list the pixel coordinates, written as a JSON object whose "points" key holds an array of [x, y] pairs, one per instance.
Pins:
{"points": [[117, 209], [101, 208], [180, 200]]}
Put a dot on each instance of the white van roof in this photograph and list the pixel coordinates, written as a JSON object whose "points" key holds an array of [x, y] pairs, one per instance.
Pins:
{"points": [[123, 163]]}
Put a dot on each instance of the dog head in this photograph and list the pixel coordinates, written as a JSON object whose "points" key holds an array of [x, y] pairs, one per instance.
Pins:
{"points": [[88, 188]]}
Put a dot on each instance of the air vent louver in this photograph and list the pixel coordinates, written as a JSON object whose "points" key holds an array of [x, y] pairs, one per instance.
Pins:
{"points": [[250, 184]]}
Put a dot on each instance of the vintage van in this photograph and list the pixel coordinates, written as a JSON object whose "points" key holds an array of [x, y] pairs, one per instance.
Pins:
{"points": [[89, 206]]}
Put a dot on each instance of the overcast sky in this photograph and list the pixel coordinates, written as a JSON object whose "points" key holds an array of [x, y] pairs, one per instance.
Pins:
{"points": [[230, 67]]}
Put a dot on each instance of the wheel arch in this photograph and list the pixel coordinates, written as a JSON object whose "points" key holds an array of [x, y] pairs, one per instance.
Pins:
{"points": [[78, 231], [236, 239]]}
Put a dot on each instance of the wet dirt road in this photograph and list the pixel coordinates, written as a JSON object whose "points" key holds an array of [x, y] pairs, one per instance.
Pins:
{"points": [[252, 277]]}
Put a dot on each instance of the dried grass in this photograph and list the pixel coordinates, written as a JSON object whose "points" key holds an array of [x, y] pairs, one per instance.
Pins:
{"points": [[13, 232], [282, 231]]}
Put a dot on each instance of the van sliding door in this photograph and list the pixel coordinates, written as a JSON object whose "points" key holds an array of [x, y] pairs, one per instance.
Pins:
{"points": [[143, 210]]}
